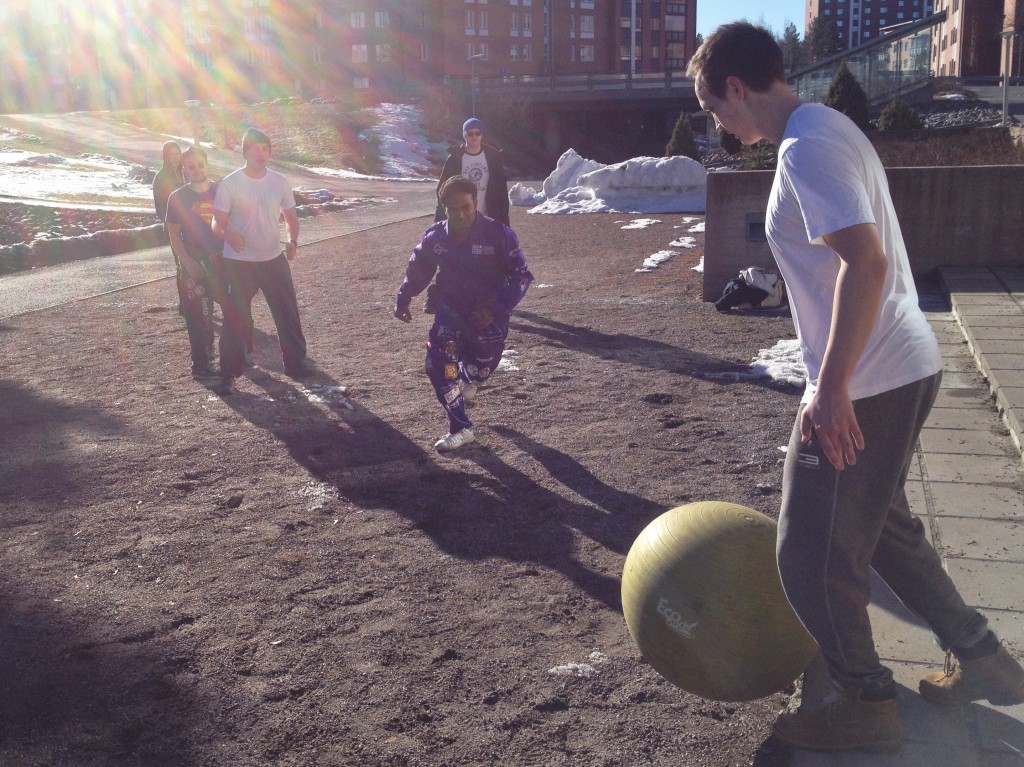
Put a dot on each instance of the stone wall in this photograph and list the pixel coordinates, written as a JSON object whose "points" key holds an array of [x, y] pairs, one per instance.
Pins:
{"points": [[950, 216]]}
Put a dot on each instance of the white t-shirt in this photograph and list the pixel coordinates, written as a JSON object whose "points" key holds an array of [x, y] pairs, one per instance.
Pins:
{"points": [[829, 177], [474, 167], [254, 208]]}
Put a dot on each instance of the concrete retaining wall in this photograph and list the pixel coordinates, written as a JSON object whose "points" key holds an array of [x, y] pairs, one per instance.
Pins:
{"points": [[950, 216]]}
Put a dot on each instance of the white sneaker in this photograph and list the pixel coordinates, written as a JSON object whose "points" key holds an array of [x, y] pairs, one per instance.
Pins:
{"points": [[454, 441]]}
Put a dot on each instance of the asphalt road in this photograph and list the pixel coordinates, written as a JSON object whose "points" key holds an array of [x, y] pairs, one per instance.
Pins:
{"points": [[26, 292]]}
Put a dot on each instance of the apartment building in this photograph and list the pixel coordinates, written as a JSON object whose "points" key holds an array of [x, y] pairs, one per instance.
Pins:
{"points": [[968, 43], [861, 21], [90, 54]]}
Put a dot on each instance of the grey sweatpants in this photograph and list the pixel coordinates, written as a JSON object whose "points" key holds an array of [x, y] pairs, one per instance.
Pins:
{"points": [[835, 526]]}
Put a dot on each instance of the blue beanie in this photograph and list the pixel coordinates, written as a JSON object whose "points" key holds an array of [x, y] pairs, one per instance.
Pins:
{"points": [[472, 122]]}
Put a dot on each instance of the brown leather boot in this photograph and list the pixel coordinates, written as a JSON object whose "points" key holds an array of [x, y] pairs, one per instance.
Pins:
{"points": [[845, 723], [997, 678]]}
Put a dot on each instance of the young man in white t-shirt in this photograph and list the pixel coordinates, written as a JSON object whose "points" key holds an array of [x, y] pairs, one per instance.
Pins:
{"points": [[874, 369], [247, 210]]}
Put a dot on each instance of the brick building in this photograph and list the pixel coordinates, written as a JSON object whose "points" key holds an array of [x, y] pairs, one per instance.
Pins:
{"points": [[89, 54]]}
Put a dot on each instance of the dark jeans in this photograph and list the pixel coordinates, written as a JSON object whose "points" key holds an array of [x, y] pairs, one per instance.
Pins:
{"points": [[836, 526], [196, 301], [244, 280]]}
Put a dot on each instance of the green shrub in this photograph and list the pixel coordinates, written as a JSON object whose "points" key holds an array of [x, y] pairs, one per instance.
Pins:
{"points": [[682, 142], [899, 115], [847, 96]]}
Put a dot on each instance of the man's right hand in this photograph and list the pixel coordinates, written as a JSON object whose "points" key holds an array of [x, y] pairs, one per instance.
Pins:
{"points": [[236, 241], [403, 313]]}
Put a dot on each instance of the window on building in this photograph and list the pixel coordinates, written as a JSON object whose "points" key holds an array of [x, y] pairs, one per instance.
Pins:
{"points": [[587, 27], [266, 27], [470, 21], [513, 52], [318, 20], [587, 53], [527, 50], [249, 26], [482, 23], [361, 83], [318, 54], [382, 19], [360, 54], [424, 52], [382, 52], [675, 23], [527, 25], [587, 5], [514, 24], [357, 19]]}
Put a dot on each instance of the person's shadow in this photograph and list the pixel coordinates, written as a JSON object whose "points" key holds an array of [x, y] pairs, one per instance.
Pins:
{"points": [[499, 513], [633, 350]]}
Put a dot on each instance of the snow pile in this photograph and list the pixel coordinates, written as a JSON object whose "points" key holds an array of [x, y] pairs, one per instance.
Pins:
{"points": [[52, 176], [638, 185], [405, 152]]}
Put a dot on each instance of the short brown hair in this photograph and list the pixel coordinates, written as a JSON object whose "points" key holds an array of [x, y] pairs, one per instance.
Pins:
{"points": [[740, 50], [456, 185], [194, 150]]}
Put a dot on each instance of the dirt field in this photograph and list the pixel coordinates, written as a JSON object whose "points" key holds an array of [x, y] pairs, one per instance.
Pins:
{"points": [[291, 576]]}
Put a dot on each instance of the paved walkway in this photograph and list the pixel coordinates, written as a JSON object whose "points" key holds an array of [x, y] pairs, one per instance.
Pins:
{"points": [[38, 289], [968, 487]]}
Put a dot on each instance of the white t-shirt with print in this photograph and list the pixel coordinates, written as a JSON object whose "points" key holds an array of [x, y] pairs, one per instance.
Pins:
{"points": [[828, 178], [254, 208], [474, 167]]}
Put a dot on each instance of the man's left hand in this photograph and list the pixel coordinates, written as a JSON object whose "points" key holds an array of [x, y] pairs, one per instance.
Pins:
{"points": [[481, 317]]}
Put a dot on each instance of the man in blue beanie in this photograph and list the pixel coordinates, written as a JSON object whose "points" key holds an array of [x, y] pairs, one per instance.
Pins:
{"points": [[482, 164]]}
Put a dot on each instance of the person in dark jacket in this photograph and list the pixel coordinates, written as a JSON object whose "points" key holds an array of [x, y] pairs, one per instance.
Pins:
{"points": [[483, 165], [482, 275]]}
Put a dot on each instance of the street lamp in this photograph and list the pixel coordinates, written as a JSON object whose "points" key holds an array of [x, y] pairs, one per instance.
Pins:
{"points": [[193, 107], [472, 80], [1008, 37]]}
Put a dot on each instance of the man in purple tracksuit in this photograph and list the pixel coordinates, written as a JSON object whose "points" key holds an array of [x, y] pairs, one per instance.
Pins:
{"points": [[483, 275]]}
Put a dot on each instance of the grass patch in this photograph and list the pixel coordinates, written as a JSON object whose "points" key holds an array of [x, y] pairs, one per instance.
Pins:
{"points": [[303, 134]]}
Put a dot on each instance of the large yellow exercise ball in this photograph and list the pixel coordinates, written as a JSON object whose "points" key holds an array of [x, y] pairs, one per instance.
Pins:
{"points": [[704, 603]]}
